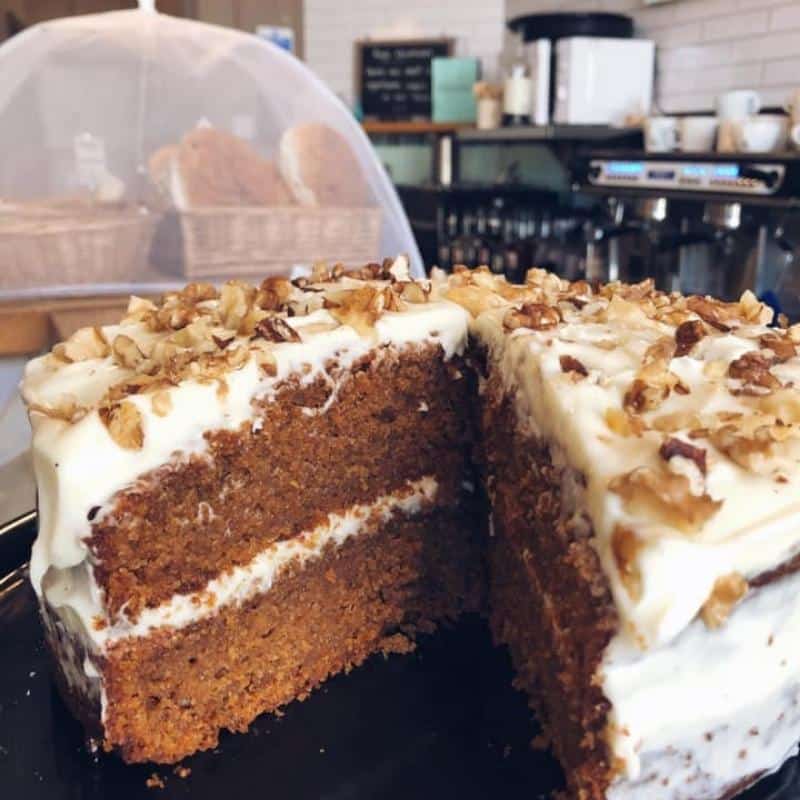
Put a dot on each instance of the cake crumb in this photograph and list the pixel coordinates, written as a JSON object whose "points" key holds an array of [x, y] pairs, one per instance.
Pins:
{"points": [[155, 781], [540, 742], [182, 772]]}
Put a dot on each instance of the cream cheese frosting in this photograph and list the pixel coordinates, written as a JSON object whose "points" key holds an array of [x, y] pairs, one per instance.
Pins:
{"points": [[754, 524]]}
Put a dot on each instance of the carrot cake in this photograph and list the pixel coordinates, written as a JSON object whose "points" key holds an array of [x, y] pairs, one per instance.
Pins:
{"points": [[641, 460], [245, 491]]}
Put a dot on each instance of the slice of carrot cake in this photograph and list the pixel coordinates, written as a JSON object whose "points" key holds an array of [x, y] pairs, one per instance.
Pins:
{"points": [[642, 462], [243, 492]]}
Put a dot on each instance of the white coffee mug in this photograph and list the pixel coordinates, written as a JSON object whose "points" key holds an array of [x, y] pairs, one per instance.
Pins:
{"points": [[793, 107], [697, 134], [738, 104], [660, 134], [762, 134]]}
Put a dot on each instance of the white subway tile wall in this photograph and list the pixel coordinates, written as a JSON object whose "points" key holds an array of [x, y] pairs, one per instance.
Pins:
{"points": [[708, 46], [704, 46], [332, 26]]}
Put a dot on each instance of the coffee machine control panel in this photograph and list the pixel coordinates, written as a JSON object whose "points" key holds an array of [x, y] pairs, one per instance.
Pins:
{"points": [[733, 177]]}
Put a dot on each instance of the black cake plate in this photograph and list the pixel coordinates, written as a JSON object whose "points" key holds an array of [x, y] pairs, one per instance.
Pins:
{"points": [[443, 722]]}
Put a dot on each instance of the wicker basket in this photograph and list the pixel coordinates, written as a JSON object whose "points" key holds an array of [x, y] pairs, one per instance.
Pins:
{"points": [[41, 248], [224, 242]]}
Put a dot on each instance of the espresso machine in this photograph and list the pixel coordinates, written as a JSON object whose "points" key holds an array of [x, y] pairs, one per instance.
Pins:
{"points": [[699, 223]]}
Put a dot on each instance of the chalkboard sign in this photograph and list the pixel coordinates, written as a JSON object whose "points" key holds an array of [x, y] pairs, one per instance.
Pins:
{"points": [[394, 78]]}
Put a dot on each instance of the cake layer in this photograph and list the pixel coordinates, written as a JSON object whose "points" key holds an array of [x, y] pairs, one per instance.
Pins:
{"points": [[170, 693], [549, 599], [397, 416]]}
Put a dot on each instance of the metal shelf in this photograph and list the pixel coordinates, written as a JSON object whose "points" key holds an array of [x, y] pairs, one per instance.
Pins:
{"points": [[547, 133]]}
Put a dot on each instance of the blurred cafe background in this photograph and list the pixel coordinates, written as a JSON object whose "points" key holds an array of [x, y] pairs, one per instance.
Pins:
{"points": [[209, 139]]}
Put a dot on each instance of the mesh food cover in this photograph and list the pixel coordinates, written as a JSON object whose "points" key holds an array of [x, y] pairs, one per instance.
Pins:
{"points": [[143, 151]]}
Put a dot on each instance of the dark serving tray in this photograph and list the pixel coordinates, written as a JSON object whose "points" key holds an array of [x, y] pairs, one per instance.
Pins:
{"points": [[441, 723]]}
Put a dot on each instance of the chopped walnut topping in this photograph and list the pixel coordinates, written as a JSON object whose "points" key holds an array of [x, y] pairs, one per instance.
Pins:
{"points": [[126, 352], [782, 347], [621, 309], [752, 369], [666, 494], [713, 312], [661, 350], [235, 303], [727, 592], [724, 316], [222, 341], [623, 423], [625, 546], [570, 364], [757, 442], [198, 292], [276, 329], [414, 292], [536, 316], [654, 381], [677, 420], [474, 298], [139, 308], [361, 308], [162, 403], [266, 362], [274, 294], [687, 335], [84, 344], [783, 404], [124, 423], [677, 447]]}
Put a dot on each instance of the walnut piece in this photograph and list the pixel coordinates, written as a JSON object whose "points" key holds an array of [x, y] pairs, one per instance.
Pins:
{"points": [[757, 442], [84, 344], [666, 495], [361, 308], [752, 369], [274, 294], [235, 302], [625, 546], [687, 335], [782, 347], [126, 352], [571, 365], [677, 447], [277, 329], [537, 316], [161, 403], [124, 423], [727, 592], [624, 423]]}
